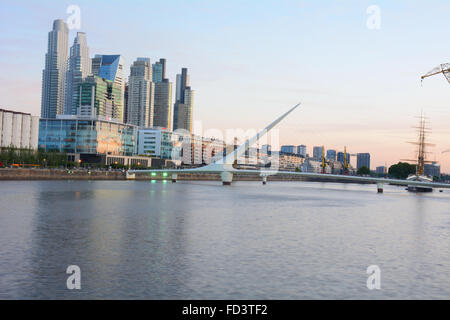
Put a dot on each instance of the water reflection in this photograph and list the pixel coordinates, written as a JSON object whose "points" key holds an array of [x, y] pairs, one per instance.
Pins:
{"points": [[196, 240]]}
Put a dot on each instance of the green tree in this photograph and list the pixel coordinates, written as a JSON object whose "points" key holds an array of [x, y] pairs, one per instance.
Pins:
{"points": [[402, 170], [363, 171]]}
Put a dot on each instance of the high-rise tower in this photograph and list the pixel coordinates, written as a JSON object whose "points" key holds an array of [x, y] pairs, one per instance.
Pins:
{"points": [[54, 74], [79, 69], [111, 67], [141, 92], [183, 108]]}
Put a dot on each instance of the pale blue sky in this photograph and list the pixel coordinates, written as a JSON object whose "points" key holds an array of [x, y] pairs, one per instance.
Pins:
{"points": [[251, 60]]}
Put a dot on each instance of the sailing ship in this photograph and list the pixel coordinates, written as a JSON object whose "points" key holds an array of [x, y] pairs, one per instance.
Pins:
{"points": [[421, 159]]}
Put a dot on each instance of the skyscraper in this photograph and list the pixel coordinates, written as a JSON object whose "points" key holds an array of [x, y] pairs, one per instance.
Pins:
{"points": [[287, 149], [162, 114], [331, 155], [183, 108], [111, 67], [99, 98], [317, 153], [301, 150], [141, 92], [79, 68], [54, 74], [159, 71], [363, 160]]}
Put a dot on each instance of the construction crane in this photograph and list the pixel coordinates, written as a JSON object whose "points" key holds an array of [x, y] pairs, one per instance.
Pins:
{"points": [[443, 68], [324, 162]]}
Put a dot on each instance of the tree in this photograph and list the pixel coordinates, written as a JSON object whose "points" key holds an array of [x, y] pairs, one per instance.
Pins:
{"points": [[363, 171], [402, 170]]}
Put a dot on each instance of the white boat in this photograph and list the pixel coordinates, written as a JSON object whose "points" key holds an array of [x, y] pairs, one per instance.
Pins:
{"points": [[421, 178]]}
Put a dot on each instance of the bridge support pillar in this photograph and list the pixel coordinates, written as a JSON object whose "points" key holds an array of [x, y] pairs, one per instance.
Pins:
{"points": [[380, 187], [227, 178], [174, 178], [264, 180]]}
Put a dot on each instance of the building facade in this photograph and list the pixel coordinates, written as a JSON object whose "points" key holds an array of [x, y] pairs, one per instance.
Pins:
{"points": [[301, 151], [99, 98], [141, 91], [54, 74], [331, 155], [79, 69], [432, 169], [318, 153], [111, 67], [71, 134], [288, 149], [162, 114], [159, 71], [363, 160], [183, 108], [18, 130]]}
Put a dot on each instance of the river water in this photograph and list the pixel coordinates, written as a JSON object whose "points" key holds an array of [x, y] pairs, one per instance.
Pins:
{"points": [[200, 240]]}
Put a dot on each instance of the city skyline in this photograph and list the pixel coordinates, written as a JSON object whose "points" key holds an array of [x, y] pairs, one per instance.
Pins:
{"points": [[368, 104]]}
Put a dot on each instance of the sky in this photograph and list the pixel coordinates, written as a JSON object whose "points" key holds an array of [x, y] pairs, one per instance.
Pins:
{"points": [[250, 61]]}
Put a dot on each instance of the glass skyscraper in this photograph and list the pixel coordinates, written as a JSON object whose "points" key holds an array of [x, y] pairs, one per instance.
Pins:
{"points": [[54, 74], [79, 69], [111, 67], [183, 108]]}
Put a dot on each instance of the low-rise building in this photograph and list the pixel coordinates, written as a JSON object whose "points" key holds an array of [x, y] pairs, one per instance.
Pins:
{"points": [[18, 130]]}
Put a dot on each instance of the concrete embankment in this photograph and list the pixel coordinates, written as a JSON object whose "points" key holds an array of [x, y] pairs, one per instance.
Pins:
{"points": [[64, 174]]}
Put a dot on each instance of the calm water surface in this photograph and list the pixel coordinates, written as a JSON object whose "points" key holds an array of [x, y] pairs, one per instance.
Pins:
{"points": [[199, 240]]}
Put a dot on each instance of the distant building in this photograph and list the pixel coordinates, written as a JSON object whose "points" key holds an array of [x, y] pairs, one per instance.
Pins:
{"points": [[288, 149], [162, 114], [100, 98], [141, 92], [266, 149], [159, 71], [341, 158], [18, 130], [313, 166], [301, 151], [331, 155], [381, 170], [155, 142], [54, 73], [112, 68], [318, 153], [363, 160], [184, 102], [432, 169], [79, 68]]}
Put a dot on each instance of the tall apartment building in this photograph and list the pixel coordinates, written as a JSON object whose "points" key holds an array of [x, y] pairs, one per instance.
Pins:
{"points": [[111, 67], [183, 108], [141, 90], [159, 71], [331, 155], [162, 114], [287, 149], [79, 69], [54, 74], [19, 130], [100, 98], [301, 150], [363, 160], [318, 153]]}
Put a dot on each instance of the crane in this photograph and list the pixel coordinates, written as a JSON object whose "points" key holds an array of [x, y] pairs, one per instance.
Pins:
{"points": [[443, 68]]}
